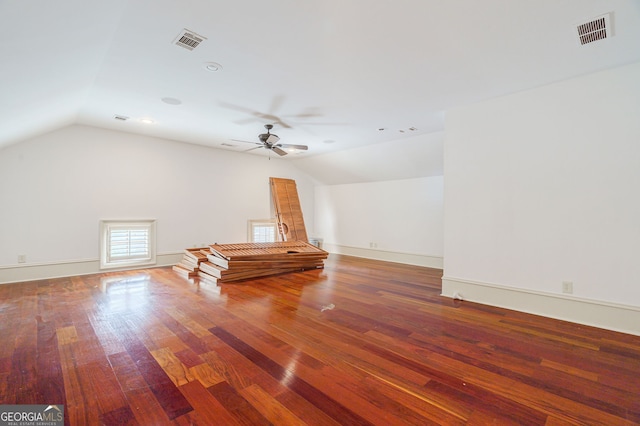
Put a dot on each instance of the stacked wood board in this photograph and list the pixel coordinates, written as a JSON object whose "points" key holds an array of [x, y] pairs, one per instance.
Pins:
{"points": [[191, 260], [234, 262]]}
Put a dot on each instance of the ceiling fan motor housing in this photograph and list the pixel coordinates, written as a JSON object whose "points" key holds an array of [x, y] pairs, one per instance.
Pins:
{"points": [[268, 138]]}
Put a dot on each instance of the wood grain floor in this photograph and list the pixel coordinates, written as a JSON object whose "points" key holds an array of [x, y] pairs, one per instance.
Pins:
{"points": [[360, 342]]}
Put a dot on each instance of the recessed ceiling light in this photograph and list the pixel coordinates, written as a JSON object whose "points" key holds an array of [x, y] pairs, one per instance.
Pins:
{"points": [[212, 66], [146, 121], [171, 101]]}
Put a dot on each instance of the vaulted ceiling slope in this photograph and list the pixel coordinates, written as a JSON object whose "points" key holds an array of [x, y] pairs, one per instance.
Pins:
{"points": [[330, 74]]}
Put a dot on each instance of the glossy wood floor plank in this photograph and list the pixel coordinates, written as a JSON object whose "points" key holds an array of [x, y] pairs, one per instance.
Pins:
{"points": [[359, 342]]}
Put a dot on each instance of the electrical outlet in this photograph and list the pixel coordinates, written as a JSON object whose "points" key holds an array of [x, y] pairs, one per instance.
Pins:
{"points": [[567, 287], [22, 258]]}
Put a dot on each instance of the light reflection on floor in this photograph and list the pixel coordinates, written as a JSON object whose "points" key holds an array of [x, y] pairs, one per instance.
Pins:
{"points": [[126, 293]]}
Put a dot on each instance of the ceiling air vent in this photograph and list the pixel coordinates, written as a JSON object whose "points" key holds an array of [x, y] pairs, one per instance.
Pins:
{"points": [[121, 117], [596, 29], [188, 39]]}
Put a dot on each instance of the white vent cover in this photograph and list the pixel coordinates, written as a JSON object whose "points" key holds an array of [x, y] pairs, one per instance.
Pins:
{"points": [[188, 39], [596, 29]]}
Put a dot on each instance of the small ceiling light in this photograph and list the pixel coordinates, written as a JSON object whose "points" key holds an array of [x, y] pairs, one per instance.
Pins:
{"points": [[329, 141], [146, 121], [171, 101], [212, 66], [413, 129]]}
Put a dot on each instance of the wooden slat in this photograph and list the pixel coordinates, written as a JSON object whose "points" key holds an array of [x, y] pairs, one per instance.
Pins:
{"points": [[241, 261], [197, 254], [287, 208], [257, 251], [226, 275], [263, 264], [184, 272]]}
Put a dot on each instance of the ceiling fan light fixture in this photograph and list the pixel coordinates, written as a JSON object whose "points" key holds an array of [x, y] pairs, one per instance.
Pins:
{"points": [[272, 138]]}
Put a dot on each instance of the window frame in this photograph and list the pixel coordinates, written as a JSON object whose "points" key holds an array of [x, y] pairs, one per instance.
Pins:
{"points": [[106, 229]]}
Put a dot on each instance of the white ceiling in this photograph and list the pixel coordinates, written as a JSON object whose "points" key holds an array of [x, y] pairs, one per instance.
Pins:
{"points": [[332, 70]]}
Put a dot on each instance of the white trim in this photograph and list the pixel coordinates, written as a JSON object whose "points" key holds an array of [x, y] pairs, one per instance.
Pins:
{"points": [[388, 256], [610, 316], [39, 271]]}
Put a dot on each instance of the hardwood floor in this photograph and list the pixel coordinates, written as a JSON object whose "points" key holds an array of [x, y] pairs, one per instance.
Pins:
{"points": [[360, 342]]}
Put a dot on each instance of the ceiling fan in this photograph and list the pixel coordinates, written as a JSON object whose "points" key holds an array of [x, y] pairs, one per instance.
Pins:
{"points": [[270, 141]]}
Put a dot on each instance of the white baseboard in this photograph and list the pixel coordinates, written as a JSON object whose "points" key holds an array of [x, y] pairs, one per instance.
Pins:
{"points": [[40, 271], [389, 256], [610, 316]]}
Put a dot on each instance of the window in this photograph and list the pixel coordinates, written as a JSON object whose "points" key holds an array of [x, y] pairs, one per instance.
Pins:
{"points": [[127, 243], [262, 231]]}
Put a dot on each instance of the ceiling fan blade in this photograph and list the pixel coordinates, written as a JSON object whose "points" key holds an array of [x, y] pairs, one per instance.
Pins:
{"points": [[255, 147], [236, 107], [279, 122], [247, 120], [276, 103], [255, 143], [278, 150], [287, 145]]}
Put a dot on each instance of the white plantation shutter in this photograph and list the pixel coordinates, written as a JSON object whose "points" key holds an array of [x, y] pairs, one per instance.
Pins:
{"points": [[127, 243], [262, 231]]}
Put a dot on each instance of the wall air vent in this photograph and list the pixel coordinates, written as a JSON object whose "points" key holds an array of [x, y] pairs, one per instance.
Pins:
{"points": [[596, 29], [188, 39]]}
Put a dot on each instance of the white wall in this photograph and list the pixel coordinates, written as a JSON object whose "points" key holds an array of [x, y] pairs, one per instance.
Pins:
{"points": [[399, 220], [543, 187], [55, 188], [407, 158]]}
